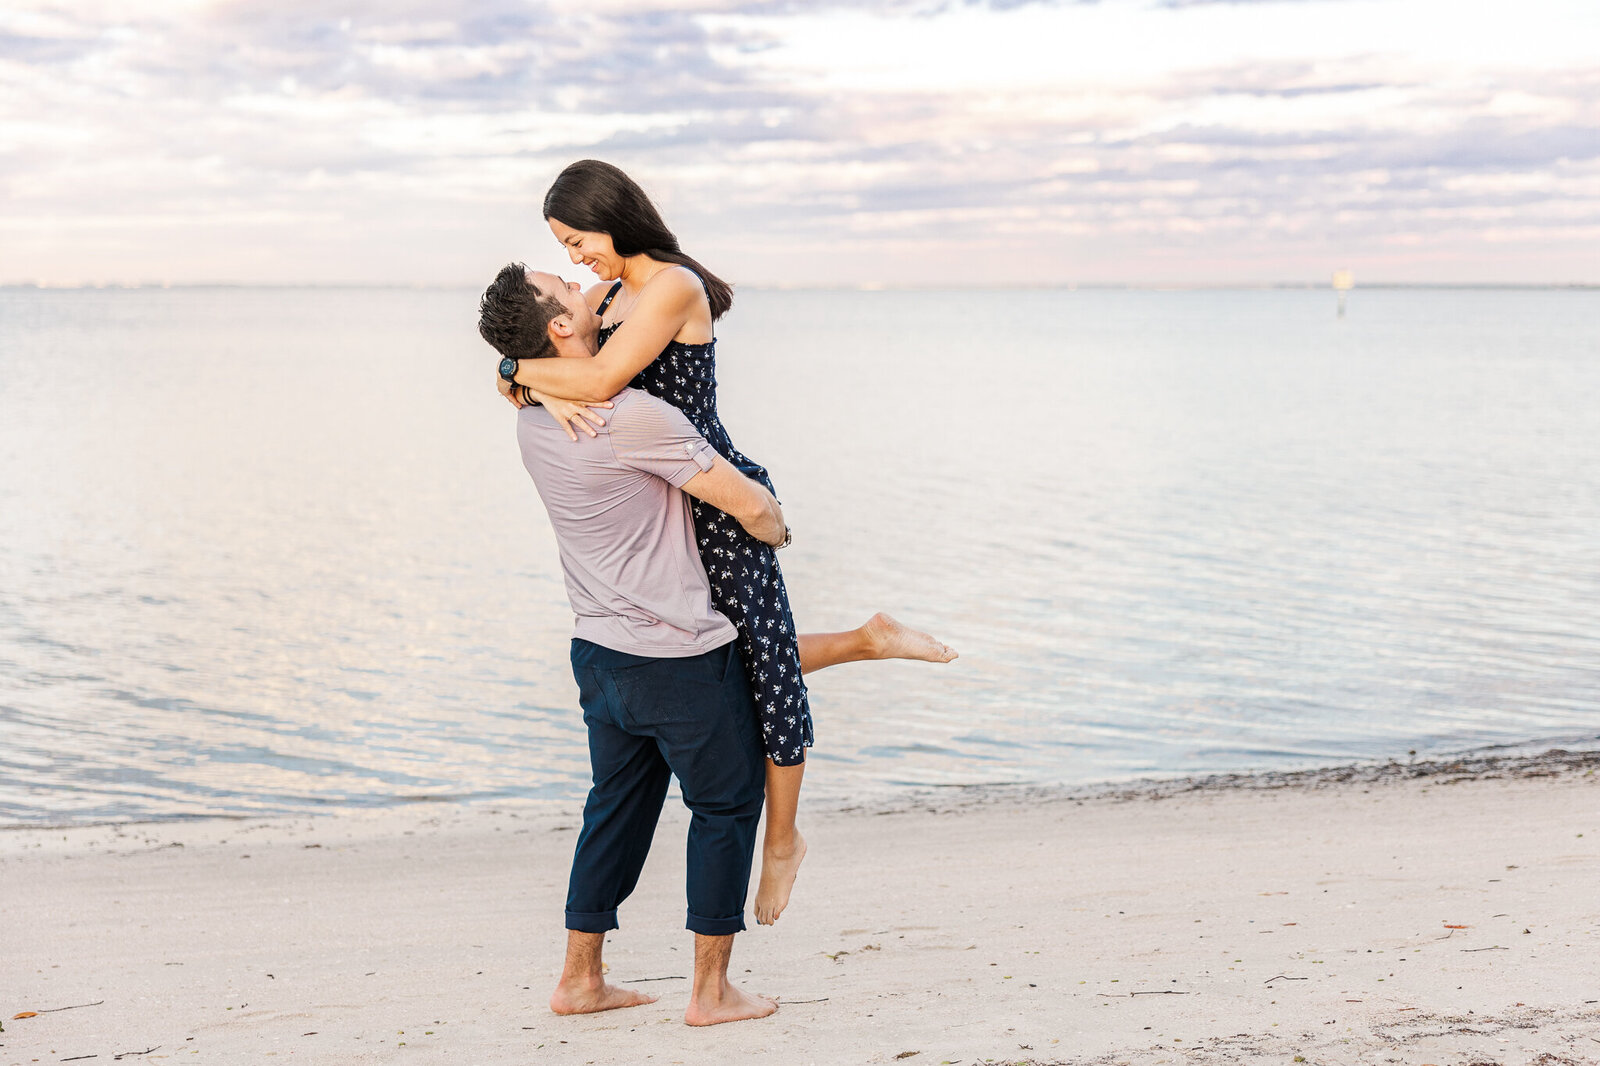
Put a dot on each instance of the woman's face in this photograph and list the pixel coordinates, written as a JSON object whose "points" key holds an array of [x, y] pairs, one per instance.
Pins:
{"points": [[593, 250]]}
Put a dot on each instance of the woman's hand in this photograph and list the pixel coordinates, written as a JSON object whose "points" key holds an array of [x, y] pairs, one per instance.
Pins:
{"points": [[570, 416]]}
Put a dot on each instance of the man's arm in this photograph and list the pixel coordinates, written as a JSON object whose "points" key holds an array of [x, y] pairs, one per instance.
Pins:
{"points": [[746, 501], [650, 435]]}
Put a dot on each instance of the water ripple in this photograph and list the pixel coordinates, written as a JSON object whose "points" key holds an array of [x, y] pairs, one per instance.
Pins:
{"points": [[1214, 532]]}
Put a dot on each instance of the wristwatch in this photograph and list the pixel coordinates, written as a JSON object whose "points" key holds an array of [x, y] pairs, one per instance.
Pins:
{"points": [[508, 369], [788, 538]]}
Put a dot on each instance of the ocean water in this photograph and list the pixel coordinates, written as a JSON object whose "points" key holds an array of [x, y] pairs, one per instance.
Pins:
{"points": [[268, 550]]}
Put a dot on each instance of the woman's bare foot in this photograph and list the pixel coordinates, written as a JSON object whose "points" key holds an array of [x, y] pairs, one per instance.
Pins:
{"points": [[584, 998], [894, 640], [778, 870], [728, 1004]]}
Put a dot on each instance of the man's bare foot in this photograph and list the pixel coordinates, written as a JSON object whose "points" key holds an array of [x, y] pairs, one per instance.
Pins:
{"points": [[728, 1004], [578, 998], [893, 640], [778, 869]]}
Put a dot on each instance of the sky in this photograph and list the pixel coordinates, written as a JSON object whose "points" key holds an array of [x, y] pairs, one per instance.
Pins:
{"points": [[915, 142]]}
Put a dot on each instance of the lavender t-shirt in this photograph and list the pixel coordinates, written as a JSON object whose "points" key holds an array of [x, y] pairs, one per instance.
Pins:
{"points": [[626, 536]]}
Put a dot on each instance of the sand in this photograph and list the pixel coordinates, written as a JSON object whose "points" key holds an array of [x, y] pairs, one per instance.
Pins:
{"points": [[1439, 913]]}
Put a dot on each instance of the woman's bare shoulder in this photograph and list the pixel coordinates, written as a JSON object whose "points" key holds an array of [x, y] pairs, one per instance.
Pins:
{"points": [[597, 292], [677, 282]]}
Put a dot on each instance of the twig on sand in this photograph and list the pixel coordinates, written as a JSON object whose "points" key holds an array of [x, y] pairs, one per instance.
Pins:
{"points": [[75, 1006], [1284, 977], [792, 1002], [642, 980], [125, 1054], [1130, 995], [1496, 947], [75, 1058]]}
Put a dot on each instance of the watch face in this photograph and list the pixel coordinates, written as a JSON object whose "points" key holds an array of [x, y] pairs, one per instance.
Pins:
{"points": [[508, 368]]}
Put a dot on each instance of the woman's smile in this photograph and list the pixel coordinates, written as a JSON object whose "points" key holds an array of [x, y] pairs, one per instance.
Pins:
{"points": [[590, 249]]}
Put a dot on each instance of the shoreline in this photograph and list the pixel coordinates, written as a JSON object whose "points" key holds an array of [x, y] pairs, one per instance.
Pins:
{"points": [[862, 286], [1473, 763], [1441, 911], [1479, 764]]}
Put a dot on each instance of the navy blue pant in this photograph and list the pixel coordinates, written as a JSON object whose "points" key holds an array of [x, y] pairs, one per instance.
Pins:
{"points": [[650, 719]]}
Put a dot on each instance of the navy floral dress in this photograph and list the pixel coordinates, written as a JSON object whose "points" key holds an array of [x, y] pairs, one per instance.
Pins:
{"points": [[746, 584]]}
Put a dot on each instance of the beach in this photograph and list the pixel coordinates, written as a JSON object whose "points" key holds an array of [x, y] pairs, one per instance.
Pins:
{"points": [[1434, 912], [1251, 532]]}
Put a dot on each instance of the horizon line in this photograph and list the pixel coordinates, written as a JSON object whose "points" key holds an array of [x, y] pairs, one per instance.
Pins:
{"points": [[865, 286]]}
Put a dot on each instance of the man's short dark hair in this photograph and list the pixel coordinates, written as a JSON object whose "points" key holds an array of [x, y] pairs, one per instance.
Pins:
{"points": [[515, 317]]}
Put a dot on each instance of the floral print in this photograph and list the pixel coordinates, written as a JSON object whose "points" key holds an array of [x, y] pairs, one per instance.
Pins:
{"points": [[746, 584]]}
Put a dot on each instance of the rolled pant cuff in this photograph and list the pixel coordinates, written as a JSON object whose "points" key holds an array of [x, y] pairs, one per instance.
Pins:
{"points": [[597, 922], [714, 926]]}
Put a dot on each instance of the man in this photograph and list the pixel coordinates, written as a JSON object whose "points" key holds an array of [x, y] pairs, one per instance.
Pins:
{"points": [[661, 684]]}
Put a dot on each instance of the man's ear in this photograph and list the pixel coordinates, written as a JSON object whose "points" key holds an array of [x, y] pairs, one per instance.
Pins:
{"points": [[561, 326]]}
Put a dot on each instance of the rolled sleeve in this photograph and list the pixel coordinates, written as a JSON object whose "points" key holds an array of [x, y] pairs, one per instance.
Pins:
{"points": [[702, 456], [651, 435]]}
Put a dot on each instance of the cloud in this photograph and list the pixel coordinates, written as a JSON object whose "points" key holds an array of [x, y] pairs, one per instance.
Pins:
{"points": [[1179, 4], [42, 50], [415, 115]]}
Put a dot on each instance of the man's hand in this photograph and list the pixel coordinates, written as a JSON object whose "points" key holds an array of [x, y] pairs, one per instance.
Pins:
{"points": [[505, 388]]}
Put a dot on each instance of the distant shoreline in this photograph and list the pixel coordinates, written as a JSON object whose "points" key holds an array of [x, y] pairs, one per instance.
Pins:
{"points": [[1088, 286]]}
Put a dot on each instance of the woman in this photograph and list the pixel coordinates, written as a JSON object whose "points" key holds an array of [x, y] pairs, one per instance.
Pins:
{"points": [[658, 307]]}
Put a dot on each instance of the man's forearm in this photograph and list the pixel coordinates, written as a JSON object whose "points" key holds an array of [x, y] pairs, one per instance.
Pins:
{"points": [[744, 499], [765, 523]]}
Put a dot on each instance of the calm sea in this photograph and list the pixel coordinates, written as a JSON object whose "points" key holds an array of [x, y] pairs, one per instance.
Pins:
{"points": [[273, 550]]}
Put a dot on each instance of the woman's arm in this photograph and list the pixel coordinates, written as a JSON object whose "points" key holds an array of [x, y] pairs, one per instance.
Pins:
{"points": [[663, 307], [566, 414]]}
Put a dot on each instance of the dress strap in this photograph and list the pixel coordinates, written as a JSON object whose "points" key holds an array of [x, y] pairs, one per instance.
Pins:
{"points": [[600, 311]]}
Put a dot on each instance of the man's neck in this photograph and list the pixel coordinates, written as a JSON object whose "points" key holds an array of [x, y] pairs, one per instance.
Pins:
{"points": [[575, 347]]}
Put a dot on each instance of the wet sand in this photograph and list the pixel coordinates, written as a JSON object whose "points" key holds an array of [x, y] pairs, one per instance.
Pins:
{"points": [[1433, 912]]}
